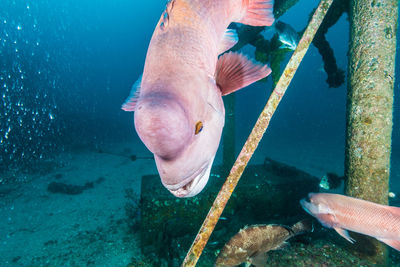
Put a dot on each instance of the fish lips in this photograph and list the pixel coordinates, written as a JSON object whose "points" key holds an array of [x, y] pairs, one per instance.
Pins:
{"points": [[192, 184], [308, 206]]}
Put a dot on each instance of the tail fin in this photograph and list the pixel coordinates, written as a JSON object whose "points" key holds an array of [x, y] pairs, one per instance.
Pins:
{"points": [[259, 13], [302, 226]]}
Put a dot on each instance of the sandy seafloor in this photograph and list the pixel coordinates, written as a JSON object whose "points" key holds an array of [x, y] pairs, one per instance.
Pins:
{"points": [[39, 228]]}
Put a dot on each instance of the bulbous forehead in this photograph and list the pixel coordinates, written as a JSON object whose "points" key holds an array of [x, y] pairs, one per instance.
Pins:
{"points": [[163, 125]]}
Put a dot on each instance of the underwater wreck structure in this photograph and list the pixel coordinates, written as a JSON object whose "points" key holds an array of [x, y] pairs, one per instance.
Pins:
{"points": [[369, 114]]}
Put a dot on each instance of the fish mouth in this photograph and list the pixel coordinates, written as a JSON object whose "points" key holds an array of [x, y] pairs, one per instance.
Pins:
{"points": [[308, 205], [305, 205], [195, 183]]}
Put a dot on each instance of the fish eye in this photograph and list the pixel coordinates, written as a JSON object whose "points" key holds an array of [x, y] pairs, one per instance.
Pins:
{"points": [[198, 128]]}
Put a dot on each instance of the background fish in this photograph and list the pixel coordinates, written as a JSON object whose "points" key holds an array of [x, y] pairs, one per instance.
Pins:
{"points": [[344, 213], [287, 35], [179, 112], [252, 243], [331, 181]]}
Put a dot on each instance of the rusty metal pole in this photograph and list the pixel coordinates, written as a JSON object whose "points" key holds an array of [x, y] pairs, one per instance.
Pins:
{"points": [[373, 27], [256, 134]]}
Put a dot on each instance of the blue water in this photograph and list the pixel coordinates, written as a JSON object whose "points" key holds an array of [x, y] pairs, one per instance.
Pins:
{"points": [[67, 66]]}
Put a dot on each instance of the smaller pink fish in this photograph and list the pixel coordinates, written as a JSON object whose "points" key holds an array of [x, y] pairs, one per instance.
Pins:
{"points": [[344, 213]]}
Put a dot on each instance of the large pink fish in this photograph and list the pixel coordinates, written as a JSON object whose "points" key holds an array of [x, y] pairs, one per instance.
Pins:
{"points": [[346, 213], [179, 112]]}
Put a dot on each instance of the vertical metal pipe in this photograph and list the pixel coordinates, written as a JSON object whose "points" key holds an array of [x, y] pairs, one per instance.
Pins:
{"points": [[373, 26]]}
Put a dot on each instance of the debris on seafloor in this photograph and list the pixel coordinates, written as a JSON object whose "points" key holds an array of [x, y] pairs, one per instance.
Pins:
{"points": [[70, 189], [132, 157], [252, 243]]}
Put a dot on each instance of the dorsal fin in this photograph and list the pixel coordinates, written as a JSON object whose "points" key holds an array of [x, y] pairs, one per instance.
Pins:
{"points": [[229, 39], [133, 97], [235, 71]]}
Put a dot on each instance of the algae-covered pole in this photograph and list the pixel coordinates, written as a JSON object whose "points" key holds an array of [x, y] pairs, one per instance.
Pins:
{"points": [[255, 137], [369, 103]]}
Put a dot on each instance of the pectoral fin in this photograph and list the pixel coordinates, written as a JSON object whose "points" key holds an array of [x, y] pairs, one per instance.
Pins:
{"points": [[130, 102], [392, 243], [229, 39], [344, 233], [259, 259], [235, 71]]}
